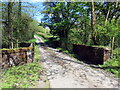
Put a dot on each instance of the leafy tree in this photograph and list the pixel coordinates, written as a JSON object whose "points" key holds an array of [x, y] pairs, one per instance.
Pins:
{"points": [[61, 17], [93, 23], [17, 25], [10, 27]]}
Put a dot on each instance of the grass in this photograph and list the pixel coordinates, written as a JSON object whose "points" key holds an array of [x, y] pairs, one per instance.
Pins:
{"points": [[23, 76], [45, 40], [63, 50], [116, 51], [99, 46], [37, 54], [32, 40], [45, 35], [113, 64]]}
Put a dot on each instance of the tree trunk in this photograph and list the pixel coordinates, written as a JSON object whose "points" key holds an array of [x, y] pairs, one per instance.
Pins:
{"points": [[19, 9], [93, 36], [10, 28], [112, 45], [107, 16], [19, 21]]}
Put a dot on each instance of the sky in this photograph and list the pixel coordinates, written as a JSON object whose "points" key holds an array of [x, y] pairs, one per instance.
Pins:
{"points": [[39, 7], [35, 12]]}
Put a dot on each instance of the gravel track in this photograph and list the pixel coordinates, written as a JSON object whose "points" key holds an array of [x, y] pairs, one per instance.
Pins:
{"points": [[64, 71]]}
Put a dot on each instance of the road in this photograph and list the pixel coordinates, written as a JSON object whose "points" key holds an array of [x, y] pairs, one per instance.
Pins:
{"points": [[64, 71]]}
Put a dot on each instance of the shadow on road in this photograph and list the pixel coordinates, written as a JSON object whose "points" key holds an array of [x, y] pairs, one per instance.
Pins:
{"points": [[93, 66], [44, 45]]}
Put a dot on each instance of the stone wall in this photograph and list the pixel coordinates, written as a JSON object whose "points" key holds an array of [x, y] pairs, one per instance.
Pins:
{"points": [[14, 57], [93, 55]]}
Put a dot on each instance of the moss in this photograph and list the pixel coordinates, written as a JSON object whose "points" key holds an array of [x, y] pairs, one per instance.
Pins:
{"points": [[97, 46], [15, 50], [101, 46]]}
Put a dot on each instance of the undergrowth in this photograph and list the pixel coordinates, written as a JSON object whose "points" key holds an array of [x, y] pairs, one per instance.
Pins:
{"points": [[113, 65]]}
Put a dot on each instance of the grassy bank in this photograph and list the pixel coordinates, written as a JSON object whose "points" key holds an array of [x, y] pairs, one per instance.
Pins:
{"points": [[113, 65], [32, 40], [45, 40], [23, 76], [44, 35]]}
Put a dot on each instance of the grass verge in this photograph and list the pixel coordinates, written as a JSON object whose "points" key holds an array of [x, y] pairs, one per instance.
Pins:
{"points": [[113, 65], [32, 40], [45, 40], [45, 35], [24, 76]]}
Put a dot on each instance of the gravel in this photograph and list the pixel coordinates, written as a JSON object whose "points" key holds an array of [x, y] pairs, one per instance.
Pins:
{"points": [[64, 71]]}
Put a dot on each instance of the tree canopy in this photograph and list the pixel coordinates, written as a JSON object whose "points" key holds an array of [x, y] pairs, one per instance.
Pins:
{"points": [[18, 25], [90, 23]]}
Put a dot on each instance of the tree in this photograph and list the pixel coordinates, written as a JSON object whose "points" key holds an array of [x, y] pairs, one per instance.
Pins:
{"points": [[10, 27], [17, 24], [93, 36], [87, 22], [61, 17], [19, 21]]}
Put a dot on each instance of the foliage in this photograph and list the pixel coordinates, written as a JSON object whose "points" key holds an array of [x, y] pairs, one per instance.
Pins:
{"points": [[61, 17], [32, 41], [44, 35], [113, 65], [43, 30], [76, 36], [106, 32], [72, 22], [22, 24]]}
